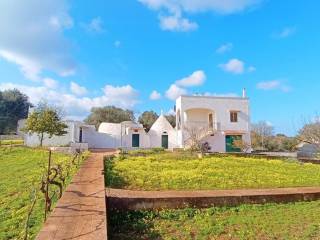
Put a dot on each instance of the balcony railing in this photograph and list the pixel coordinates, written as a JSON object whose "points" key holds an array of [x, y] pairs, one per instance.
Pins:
{"points": [[210, 127]]}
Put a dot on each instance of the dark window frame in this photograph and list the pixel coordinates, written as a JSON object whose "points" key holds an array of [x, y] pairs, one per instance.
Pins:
{"points": [[234, 116]]}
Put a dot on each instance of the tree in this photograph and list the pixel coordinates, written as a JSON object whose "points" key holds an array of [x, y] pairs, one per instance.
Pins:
{"points": [[260, 132], [14, 106], [43, 120], [172, 119], [242, 145], [147, 118], [109, 114], [195, 136], [310, 133]]}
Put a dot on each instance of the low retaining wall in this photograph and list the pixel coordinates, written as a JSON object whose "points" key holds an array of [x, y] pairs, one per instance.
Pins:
{"points": [[254, 155], [148, 200], [309, 160]]}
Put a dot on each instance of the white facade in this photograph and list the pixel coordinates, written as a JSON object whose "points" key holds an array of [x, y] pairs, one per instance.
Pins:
{"points": [[160, 131], [212, 115]]}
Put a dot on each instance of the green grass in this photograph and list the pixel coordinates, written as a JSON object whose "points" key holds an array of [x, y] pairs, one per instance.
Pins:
{"points": [[181, 171], [12, 142], [271, 221], [21, 172]]}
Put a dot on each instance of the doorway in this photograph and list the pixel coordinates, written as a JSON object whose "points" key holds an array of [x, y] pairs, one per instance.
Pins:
{"points": [[135, 140], [230, 139], [165, 141]]}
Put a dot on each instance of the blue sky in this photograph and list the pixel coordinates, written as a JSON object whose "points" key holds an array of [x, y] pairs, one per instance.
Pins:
{"points": [[80, 55]]}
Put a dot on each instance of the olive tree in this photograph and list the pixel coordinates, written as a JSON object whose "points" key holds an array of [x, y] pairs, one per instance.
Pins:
{"points": [[147, 118]]}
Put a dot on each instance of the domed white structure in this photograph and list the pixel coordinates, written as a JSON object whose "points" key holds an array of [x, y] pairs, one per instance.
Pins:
{"points": [[162, 134]]}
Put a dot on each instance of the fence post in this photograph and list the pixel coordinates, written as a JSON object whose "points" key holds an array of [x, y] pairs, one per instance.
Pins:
{"points": [[47, 186]]}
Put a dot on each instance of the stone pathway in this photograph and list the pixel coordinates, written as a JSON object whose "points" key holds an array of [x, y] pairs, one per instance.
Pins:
{"points": [[81, 212], [137, 200]]}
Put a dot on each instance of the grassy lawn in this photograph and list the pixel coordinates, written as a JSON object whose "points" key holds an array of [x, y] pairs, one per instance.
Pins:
{"points": [[11, 142], [271, 221], [157, 171], [21, 172]]}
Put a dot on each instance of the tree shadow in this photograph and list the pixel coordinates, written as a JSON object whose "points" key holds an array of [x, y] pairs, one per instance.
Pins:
{"points": [[131, 225], [111, 178]]}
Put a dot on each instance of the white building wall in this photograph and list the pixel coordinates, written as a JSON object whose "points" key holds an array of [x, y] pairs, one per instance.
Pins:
{"points": [[197, 108], [159, 128], [32, 140]]}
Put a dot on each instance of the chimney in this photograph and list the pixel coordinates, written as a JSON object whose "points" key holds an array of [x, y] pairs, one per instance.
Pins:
{"points": [[244, 93]]}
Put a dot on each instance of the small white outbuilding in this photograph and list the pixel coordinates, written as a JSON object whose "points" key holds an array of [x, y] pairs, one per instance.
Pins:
{"points": [[162, 134]]}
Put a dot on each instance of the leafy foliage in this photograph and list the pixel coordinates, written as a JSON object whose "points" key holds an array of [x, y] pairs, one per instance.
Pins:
{"points": [[147, 118], [109, 114], [14, 106], [171, 119], [45, 120], [23, 169], [180, 171], [247, 222]]}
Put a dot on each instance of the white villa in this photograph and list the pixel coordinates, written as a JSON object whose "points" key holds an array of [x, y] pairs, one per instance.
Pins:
{"points": [[219, 121]]}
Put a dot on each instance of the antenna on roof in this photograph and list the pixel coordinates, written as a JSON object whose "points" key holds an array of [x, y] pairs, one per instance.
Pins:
{"points": [[244, 93]]}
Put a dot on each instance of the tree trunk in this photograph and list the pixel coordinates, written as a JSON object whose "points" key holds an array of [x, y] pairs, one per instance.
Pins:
{"points": [[41, 139]]}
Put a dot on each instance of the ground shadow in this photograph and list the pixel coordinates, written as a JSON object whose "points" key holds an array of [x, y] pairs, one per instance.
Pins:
{"points": [[131, 225]]}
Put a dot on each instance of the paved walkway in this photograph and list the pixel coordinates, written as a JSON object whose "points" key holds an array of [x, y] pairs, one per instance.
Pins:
{"points": [[127, 199], [81, 212]]}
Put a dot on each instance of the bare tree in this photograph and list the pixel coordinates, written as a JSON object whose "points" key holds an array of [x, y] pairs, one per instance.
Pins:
{"points": [[243, 145], [310, 132], [261, 131], [196, 134]]}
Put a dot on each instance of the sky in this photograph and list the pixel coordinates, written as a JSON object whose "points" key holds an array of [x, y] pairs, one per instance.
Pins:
{"points": [[142, 54]]}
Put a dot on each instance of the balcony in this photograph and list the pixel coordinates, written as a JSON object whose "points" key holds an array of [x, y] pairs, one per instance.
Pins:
{"points": [[210, 128]]}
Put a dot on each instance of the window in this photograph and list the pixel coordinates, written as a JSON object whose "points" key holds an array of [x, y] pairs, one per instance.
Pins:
{"points": [[233, 116]]}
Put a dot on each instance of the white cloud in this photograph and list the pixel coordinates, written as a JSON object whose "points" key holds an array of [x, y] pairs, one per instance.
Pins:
{"points": [[224, 48], [234, 66], [176, 8], [95, 25], [75, 106], [177, 23], [117, 44], [155, 95], [197, 78], [251, 69], [50, 83], [31, 36], [192, 6], [286, 32], [121, 95], [273, 85], [174, 92], [77, 89]]}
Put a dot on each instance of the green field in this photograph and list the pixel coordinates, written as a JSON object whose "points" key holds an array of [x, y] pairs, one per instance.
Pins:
{"points": [[21, 172], [182, 171], [11, 142], [297, 221]]}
